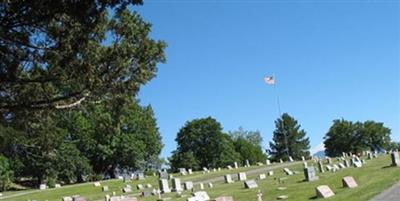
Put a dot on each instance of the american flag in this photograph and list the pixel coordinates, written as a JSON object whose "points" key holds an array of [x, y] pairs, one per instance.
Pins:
{"points": [[269, 80]]}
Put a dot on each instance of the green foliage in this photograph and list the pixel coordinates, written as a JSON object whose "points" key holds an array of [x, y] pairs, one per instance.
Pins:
{"points": [[53, 56], [201, 143], [253, 137], [116, 133], [248, 151], [346, 136], [393, 146], [5, 173], [183, 159], [288, 133]]}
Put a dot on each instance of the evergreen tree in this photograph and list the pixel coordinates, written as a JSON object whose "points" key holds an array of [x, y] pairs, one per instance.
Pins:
{"points": [[288, 133]]}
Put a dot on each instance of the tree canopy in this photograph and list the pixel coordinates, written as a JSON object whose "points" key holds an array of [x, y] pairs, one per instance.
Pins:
{"points": [[60, 54], [202, 143], [347, 136], [288, 133]]}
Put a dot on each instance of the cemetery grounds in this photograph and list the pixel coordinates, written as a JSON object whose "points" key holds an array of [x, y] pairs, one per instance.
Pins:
{"points": [[374, 177]]}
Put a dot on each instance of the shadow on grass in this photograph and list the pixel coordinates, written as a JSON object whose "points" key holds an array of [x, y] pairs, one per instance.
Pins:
{"points": [[389, 166], [313, 197]]}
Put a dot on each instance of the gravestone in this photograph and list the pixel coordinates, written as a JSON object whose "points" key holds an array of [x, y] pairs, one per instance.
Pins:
{"points": [[164, 175], [250, 184], [267, 162], [182, 171], [395, 158], [139, 176], [324, 191], [210, 185], [247, 163], [67, 198], [270, 173], [236, 165], [176, 185], [290, 159], [190, 171], [148, 186], [188, 185], [321, 167], [330, 168], [346, 163], [146, 194], [287, 171], [305, 164], [302, 158], [242, 176], [140, 186], [127, 189], [164, 186], [280, 161], [328, 160], [357, 164], [57, 186], [78, 198], [349, 182], [42, 186], [369, 154], [336, 167], [225, 198], [282, 197], [259, 196], [310, 174], [228, 179], [104, 188], [262, 176], [199, 196], [229, 167], [201, 186], [341, 165]]}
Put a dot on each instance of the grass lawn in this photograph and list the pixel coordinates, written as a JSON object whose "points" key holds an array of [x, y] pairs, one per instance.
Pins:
{"points": [[372, 178]]}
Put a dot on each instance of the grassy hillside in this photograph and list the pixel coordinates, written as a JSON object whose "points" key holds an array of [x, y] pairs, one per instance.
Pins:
{"points": [[372, 178]]}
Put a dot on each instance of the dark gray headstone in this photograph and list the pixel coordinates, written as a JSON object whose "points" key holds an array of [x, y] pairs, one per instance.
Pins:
{"points": [[310, 174]]}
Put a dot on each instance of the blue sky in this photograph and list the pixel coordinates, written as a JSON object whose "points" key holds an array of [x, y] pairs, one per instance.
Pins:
{"points": [[331, 60]]}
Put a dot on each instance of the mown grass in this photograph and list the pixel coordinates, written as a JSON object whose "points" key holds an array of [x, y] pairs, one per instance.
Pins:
{"points": [[372, 178]]}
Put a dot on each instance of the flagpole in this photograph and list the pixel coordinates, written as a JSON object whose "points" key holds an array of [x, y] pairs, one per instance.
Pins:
{"points": [[280, 115]]}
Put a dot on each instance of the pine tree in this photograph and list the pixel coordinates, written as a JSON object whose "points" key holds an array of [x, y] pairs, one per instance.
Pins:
{"points": [[288, 134]]}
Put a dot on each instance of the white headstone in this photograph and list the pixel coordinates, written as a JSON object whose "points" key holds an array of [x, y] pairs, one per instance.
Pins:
{"points": [[242, 176], [188, 185], [201, 186], [164, 186], [176, 185], [262, 176], [267, 162], [228, 179], [250, 184], [395, 159], [290, 159], [42, 186], [236, 165]]}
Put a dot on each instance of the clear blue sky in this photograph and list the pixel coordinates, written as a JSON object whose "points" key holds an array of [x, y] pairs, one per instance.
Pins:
{"points": [[331, 60]]}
